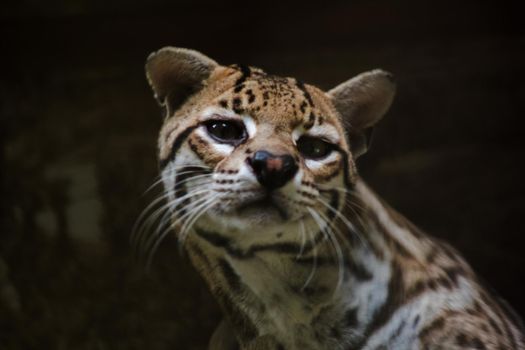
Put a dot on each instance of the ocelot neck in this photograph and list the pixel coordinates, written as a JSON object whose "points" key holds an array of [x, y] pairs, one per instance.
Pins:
{"points": [[347, 290]]}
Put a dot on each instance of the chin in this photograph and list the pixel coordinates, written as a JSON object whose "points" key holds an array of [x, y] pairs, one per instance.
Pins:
{"points": [[253, 218], [247, 219]]}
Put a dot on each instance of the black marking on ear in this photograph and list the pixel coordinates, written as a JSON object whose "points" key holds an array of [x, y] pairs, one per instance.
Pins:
{"points": [[179, 140]]}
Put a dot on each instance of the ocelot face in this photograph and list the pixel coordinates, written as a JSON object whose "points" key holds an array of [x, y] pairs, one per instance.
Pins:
{"points": [[272, 159], [244, 152]]}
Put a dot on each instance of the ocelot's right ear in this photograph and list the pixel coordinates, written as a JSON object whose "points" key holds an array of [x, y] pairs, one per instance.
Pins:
{"points": [[362, 101], [175, 74]]}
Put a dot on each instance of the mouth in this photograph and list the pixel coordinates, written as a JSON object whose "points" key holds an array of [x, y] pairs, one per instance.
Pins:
{"points": [[263, 204]]}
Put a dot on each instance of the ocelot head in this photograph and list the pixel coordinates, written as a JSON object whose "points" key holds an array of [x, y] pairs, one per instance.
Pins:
{"points": [[254, 155]]}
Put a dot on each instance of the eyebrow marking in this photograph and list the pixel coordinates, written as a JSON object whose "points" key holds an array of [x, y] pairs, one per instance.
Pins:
{"points": [[246, 72], [306, 94]]}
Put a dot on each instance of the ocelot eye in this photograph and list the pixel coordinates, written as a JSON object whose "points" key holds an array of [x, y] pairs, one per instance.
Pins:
{"points": [[314, 147], [226, 131]]}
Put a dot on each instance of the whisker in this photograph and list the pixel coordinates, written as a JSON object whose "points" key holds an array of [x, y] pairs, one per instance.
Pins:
{"points": [[139, 224], [314, 267], [303, 238], [199, 212], [348, 224], [141, 237], [174, 214], [335, 244], [146, 224], [174, 171], [153, 244]]}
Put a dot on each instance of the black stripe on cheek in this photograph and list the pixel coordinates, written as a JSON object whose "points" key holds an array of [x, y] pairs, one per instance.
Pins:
{"points": [[334, 203], [179, 140], [179, 189], [333, 174], [346, 169]]}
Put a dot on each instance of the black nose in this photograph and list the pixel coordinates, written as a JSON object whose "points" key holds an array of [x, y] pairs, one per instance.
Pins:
{"points": [[272, 171]]}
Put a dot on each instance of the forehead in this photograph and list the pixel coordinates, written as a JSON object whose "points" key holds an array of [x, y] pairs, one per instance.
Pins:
{"points": [[283, 102]]}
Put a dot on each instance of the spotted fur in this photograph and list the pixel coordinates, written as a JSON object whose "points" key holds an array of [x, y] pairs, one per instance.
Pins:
{"points": [[324, 263]]}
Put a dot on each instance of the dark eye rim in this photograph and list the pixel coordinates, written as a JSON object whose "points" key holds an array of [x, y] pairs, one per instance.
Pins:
{"points": [[330, 146], [237, 123]]}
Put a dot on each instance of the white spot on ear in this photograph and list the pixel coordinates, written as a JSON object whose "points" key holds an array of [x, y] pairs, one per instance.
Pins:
{"points": [[250, 125]]}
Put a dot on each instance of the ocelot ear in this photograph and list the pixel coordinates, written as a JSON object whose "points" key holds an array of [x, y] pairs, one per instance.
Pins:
{"points": [[362, 101], [175, 74]]}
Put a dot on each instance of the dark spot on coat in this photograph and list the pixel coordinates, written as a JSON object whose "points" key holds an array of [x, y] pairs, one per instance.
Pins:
{"points": [[461, 339], [415, 323], [350, 318], [237, 105]]}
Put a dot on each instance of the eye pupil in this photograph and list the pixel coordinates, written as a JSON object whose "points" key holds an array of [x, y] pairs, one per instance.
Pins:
{"points": [[313, 147], [226, 131]]}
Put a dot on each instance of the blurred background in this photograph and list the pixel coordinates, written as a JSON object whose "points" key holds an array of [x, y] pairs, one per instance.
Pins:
{"points": [[78, 136]]}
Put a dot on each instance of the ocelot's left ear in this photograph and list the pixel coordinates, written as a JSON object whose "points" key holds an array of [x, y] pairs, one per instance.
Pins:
{"points": [[176, 73], [362, 101]]}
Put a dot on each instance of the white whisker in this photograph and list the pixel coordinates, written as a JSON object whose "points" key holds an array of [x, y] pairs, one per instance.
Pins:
{"points": [[335, 244]]}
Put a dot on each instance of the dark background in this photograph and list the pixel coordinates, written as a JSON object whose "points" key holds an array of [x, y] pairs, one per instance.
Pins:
{"points": [[78, 132]]}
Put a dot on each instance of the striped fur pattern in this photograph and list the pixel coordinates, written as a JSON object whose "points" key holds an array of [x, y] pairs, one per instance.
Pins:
{"points": [[323, 263]]}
